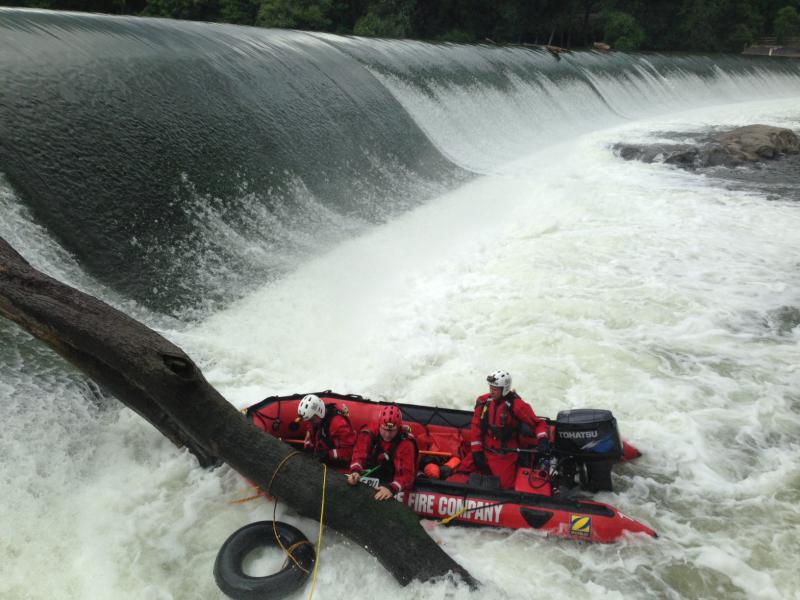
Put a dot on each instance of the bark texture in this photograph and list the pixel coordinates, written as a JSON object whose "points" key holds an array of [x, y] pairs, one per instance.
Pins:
{"points": [[159, 381]]}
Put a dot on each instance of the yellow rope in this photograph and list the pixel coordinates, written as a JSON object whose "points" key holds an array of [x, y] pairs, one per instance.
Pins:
{"points": [[321, 518], [446, 520], [275, 509], [319, 538], [460, 512]]}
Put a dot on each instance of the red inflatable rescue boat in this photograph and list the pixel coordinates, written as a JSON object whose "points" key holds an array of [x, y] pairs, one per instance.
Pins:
{"points": [[546, 494]]}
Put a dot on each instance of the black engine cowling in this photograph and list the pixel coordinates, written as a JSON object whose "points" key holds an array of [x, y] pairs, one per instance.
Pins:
{"points": [[588, 433], [590, 443]]}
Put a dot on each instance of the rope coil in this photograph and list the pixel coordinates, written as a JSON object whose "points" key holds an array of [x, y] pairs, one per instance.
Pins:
{"points": [[289, 550]]}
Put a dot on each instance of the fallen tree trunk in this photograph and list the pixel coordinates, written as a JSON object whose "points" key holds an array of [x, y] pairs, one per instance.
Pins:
{"points": [[160, 382]]}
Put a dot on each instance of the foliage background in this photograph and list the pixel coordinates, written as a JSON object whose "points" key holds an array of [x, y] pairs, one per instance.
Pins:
{"points": [[690, 25]]}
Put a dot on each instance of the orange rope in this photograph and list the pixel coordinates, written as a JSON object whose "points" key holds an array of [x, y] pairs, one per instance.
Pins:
{"points": [[261, 494]]}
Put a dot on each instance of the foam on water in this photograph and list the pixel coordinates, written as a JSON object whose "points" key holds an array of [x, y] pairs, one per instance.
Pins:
{"points": [[596, 282]]}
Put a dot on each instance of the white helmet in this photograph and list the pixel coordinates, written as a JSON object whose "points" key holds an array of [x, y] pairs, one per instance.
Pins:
{"points": [[501, 379], [309, 406]]}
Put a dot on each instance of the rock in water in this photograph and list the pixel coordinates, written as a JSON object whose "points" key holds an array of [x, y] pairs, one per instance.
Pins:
{"points": [[757, 142], [743, 145]]}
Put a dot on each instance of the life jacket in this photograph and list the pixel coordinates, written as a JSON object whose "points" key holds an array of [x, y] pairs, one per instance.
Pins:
{"points": [[331, 411], [386, 471], [508, 426]]}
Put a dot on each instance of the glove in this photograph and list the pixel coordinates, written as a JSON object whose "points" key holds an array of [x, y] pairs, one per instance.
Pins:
{"points": [[479, 458], [543, 446], [432, 471]]}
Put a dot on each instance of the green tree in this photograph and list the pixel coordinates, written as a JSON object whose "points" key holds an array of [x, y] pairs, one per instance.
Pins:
{"points": [[509, 22], [661, 21], [295, 14], [697, 23], [102, 6], [195, 10], [241, 12], [743, 22], [787, 24], [390, 26], [386, 18], [623, 32], [446, 19], [740, 37], [720, 25], [694, 25], [345, 13], [456, 35]]}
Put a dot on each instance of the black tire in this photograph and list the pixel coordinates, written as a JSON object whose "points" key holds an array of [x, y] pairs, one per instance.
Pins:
{"points": [[230, 576]]}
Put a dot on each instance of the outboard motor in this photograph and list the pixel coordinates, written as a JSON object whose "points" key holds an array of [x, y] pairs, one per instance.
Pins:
{"points": [[588, 438], [589, 433]]}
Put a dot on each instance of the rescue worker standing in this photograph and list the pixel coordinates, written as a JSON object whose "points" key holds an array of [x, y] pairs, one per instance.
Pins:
{"points": [[329, 433], [389, 446], [495, 429]]}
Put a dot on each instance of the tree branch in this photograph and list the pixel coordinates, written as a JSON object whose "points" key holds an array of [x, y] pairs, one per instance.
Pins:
{"points": [[159, 381]]}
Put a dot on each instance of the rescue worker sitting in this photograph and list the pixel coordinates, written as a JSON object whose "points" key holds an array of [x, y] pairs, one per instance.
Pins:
{"points": [[391, 448], [329, 433], [495, 430]]}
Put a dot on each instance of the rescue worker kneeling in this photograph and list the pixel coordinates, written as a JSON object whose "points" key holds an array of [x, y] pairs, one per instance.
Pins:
{"points": [[390, 448], [329, 433]]}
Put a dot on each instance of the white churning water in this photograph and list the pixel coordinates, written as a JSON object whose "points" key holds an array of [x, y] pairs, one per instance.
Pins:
{"points": [[596, 282]]}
